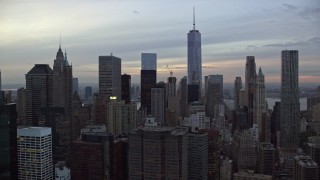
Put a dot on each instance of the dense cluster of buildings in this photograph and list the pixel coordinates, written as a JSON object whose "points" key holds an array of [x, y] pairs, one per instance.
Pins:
{"points": [[182, 130]]}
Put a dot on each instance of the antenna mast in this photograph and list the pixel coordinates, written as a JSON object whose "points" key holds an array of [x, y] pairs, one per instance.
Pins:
{"points": [[194, 19]]}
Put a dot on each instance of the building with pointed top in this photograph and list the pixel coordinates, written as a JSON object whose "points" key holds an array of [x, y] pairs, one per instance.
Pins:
{"points": [[194, 57], [250, 81], [260, 105]]}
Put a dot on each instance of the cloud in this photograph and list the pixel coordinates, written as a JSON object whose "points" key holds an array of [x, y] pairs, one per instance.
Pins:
{"points": [[135, 12], [312, 41], [304, 12]]}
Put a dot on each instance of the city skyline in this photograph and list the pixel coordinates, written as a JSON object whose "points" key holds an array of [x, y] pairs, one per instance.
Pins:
{"points": [[230, 32]]}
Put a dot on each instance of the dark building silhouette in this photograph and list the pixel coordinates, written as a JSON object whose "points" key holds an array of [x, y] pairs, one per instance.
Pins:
{"points": [[275, 123], [88, 92], [39, 93], [125, 88], [250, 84], [8, 141], [183, 97], [193, 93], [148, 81]]}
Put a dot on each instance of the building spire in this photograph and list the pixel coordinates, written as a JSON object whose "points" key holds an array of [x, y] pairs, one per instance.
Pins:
{"points": [[194, 19], [60, 41]]}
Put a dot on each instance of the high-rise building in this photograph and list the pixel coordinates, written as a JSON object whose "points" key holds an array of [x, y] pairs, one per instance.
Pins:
{"points": [[0, 81], [305, 168], [215, 94], [34, 146], [197, 156], [290, 106], [75, 85], [171, 86], [260, 105], [194, 57], [266, 158], [39, 93], [148, 61], [59, 117], [148, 81], [250, 81], [121, 117], [8, 141], [158, 152], [88, 92], [21, 107], [237, 88], [193, 95], [158, 102], [148, 78], [125, 88], [183, 97], [110, 76]]}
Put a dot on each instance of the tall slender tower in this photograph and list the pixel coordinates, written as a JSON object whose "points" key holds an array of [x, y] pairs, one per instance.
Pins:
{"points": [[0, 82], [250, 81], [60, 115], [260, 102], [290, 106], [194, 57], [237, 88]]}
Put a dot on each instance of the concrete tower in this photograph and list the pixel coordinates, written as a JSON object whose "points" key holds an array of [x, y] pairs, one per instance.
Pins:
{"points": [[260, 104], [194, 57], [290, 106]]}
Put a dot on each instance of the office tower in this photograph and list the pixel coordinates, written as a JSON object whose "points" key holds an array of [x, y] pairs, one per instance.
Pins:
{"points": [[250, 81], [214, 146], [260, 104], [171, 86], [34, 153], [148, 61], [75, 85], [148, 78], [76, 110], [21, 107], [243, 151], [266, 158], [110, 76], [183, 97], [158, 103], [93, 155], [0, 81], [125, 88], [8, 141], [121, 117], [197, 156], [39, 93], [197, 121], [59, 117], [237, 88], [215, 94], [275, 124], [148, 81], [99, 108], [158, 152], [305, 168], [193, 95], [312, 148], [62, 171], [290, 106], [194, 57], [88, 92]]}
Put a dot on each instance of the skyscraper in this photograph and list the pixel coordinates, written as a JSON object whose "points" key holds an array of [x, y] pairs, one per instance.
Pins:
{"points": [[34, 153], [88, 92], [59, 117], [39, 93], [194, 57], [158, 102], [148, 78], [260, 104], [8, 141], [183, 97], [171, 86], [125, 87], [237, 88], [215, 94], [290, 106], [110, 76], [0, 81], [250, 81]]}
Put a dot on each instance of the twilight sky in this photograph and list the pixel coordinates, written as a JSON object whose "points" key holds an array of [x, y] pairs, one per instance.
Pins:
{"points": [[231, 30]]}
